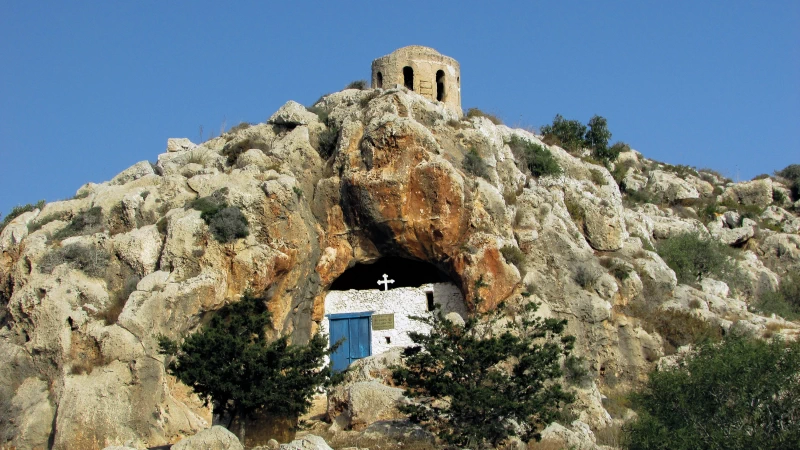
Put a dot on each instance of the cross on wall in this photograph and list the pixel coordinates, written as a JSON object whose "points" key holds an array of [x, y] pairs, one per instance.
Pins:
{"points": [[385, 282]]}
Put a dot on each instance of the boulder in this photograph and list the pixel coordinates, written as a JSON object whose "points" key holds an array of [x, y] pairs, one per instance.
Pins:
{"points": [[669, 188], [134, 172], [365, 402], [292, 114], [756, 192], [307, 442], [214, 438], [579, 437], [179, 144]]}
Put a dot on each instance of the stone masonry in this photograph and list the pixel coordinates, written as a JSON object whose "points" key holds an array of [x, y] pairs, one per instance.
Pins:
{"points": [[422, 70]]}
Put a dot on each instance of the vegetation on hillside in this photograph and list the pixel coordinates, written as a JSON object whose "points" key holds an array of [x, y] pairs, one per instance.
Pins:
{"points": [[226, 223], [693, 257], [741, 393], [19, 210], [232, 365], [477, 384], [533, 157]]}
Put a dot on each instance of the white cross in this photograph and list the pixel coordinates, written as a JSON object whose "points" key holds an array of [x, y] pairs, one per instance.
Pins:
{"points": [[385, 282]]}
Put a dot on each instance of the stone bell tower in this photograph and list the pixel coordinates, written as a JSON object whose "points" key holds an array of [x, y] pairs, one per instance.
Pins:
{"points": [[422, 70]]}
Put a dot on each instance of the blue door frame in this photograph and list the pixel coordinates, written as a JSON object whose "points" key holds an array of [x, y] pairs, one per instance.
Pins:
{"points": [[356, 330]]}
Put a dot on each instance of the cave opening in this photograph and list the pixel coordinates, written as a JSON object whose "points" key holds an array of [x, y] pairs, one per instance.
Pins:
{"points": [[405, 273]]}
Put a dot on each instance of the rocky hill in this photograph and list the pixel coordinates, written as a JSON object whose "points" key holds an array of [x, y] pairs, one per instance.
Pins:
{"points": [[87, 284]]}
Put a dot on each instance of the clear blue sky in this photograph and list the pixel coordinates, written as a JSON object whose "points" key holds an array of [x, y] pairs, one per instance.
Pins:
{"points": [[89, 88]]}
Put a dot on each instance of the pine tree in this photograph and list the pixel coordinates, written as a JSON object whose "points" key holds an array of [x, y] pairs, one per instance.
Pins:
{"points": [[231, 364], [480, 383]]}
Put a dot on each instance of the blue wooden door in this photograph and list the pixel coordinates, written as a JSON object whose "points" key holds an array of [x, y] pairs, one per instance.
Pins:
{"points": [[354, 328]]}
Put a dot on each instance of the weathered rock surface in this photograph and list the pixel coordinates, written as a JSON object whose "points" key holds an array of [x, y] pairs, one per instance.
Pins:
{"points": [[307, 442], [78, 340], [214, 438], [756, 192]]}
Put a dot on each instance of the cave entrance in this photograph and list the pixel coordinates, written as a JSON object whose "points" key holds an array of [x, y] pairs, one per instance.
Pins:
{"points": [[370, 306]]}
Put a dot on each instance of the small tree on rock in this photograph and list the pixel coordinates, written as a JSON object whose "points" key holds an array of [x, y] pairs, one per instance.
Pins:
{"points": [[492, 378], [231, 364]]}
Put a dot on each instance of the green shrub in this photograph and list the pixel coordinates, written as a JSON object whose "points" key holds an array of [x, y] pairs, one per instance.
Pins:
{"points": [[234, 148], [226, 223], [619, 173], [328, 139], [585, 275], [38, 223], [785, 301], [231, 364], [569, 134], [240, 127], [513, 255], [537, 159], [358, 84], [597, 177], [576, 371], [89, 221], [475, 112], [364, 101], [18, 211], [792, 173], [322, 113], [90, 259], [479, 383], [693, 257], [740, 394], [778, 196], [474, 164], [634, 197]]}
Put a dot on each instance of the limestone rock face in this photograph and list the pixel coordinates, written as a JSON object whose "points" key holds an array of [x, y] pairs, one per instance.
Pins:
{"points": [[307, 442], [214, 438], [756, 192], [179, 144], [292, 113], [669, 188], [87, 284]]}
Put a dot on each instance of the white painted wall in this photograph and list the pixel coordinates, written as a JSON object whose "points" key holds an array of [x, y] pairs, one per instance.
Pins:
{"points": [[403, 302]]}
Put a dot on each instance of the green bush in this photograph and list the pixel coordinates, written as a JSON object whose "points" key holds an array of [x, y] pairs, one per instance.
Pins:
{"points": [[568, 133], [234, 148], [792, 173], [240, 127], [693, 257], [785, 301], [226, 223], [358, 84], [231, 364], [475, 112], [513, 255], [477, 384], [90, 259], [328, 139], [537, 159], [322, 113], [739, 394], [18, 211], [89, 221], [474, 164]]}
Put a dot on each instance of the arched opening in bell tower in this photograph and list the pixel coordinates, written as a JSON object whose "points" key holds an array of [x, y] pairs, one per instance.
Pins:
{"points": [[440, 85], [408, 78]]}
